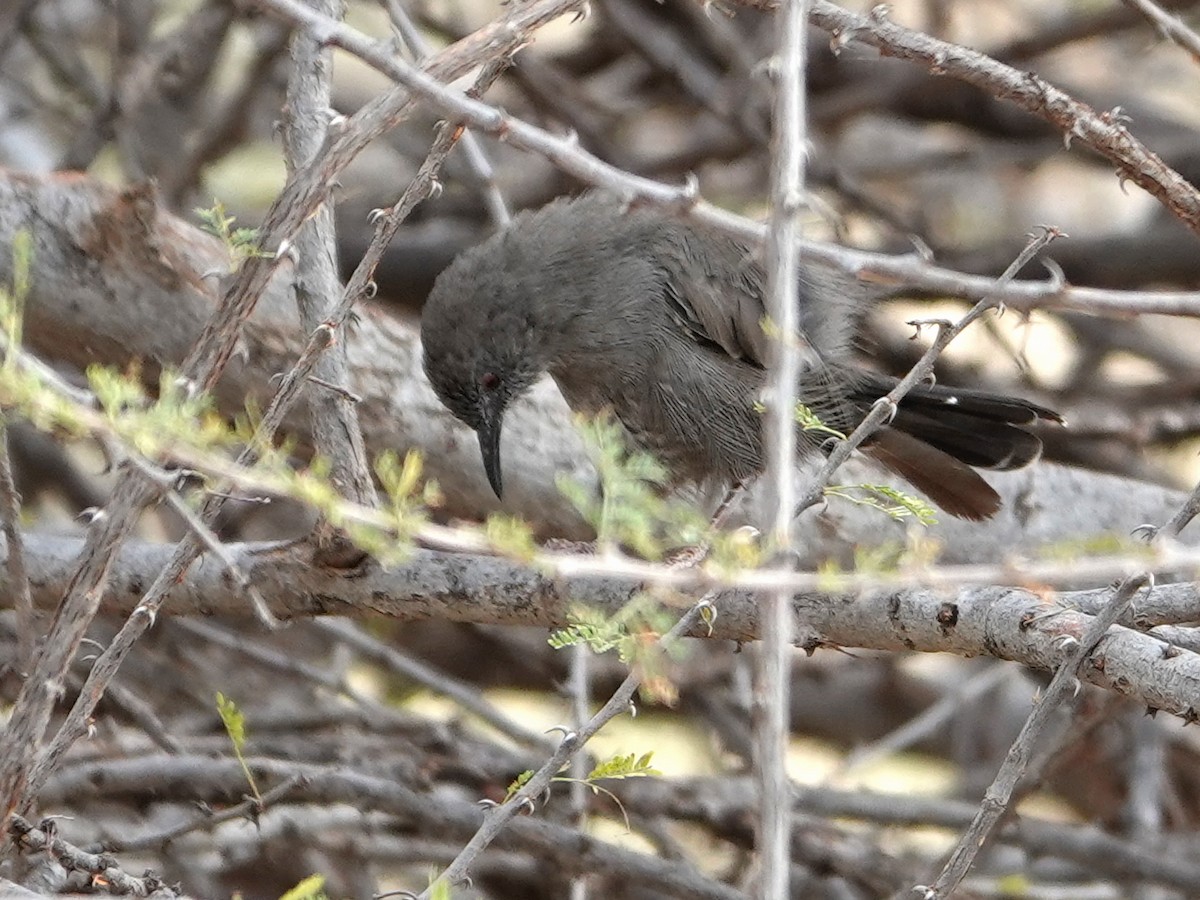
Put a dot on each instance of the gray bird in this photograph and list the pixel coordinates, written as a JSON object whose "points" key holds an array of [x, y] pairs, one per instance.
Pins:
{"points": [[660, 321]]}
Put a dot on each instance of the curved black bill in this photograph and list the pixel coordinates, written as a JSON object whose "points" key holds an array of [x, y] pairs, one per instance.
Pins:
{"points": [[489, 447]]}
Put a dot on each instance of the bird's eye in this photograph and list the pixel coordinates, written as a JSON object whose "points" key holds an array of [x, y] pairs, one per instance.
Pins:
{"points": [[489, 381]]}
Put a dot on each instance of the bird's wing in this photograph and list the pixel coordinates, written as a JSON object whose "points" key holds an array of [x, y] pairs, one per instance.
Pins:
{"points": [[716, 295], [715, 289]]}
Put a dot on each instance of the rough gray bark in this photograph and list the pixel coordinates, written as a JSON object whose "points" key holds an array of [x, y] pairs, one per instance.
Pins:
{"points": [[1005, 622]]}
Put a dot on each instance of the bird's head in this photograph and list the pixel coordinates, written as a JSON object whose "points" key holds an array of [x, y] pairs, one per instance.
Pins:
{"points": [[482, 346]]}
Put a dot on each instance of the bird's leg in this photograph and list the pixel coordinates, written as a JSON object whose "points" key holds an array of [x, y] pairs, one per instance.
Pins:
{"points": [[725, 507], [687, 557], [681, 558]]}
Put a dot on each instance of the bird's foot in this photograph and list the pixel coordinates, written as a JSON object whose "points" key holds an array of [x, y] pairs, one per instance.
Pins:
{"points": [[687, 557], [562, 545]]}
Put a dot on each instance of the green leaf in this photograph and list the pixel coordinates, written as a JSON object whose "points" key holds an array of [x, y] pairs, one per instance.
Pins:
{"points": [[240, 243], [408, 497], [511, 536], [440, 891], [628, 766], [235, 726], [886, 498], [233, 719], [807, 418], [632, 509], [519, 782], [12, 303], [311, 888]]}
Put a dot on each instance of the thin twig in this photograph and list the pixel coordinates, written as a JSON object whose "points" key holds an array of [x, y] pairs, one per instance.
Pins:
{"points": [[473, 152], [141, 713], [335, 428], [423, 185], [237, 641], [249, 809], [1171, 27], [10, 515], [928, 722], [1063, 686], [572, 742], [577, 689], [164, 482], [790, 351], [465, 695], [1104, 132]]}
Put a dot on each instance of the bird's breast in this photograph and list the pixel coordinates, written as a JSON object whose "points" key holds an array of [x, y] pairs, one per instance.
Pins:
{"points": [[697, 420]]}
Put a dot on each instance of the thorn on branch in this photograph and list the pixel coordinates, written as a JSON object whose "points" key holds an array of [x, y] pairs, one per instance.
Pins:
{"points": [[839, 40], [919, 324], [1116, 116], [690, 191], [923, 250], [888, 404], [1146, 532], [1058, 278], [287, 250]]}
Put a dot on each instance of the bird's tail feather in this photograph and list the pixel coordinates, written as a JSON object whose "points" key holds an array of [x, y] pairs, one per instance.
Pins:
{"points": [[940, 433], [979, 442], [951, 484]]}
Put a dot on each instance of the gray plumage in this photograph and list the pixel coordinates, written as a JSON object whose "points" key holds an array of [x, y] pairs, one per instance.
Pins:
{"points": [[659, 320]]}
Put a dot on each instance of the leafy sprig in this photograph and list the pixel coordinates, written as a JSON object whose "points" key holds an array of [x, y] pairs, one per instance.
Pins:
{"points": [[629, 765], [234, 721], [241, 243], [633, 508]]}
